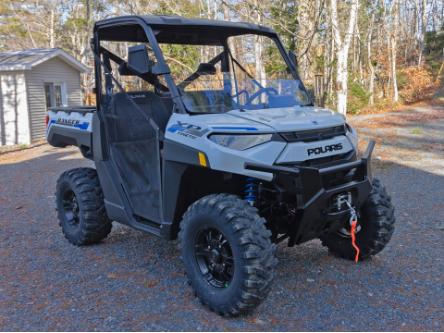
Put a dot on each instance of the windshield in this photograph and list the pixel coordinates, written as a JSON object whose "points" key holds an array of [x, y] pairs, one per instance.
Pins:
{"points": [[250, 73]]}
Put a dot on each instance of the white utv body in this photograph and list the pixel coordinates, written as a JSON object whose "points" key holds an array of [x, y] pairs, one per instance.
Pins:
{"points": [[230, 167]]}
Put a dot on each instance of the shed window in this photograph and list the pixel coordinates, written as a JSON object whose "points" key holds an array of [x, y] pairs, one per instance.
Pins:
{"points": [[58, 94], [55, 95], [48, 95]]}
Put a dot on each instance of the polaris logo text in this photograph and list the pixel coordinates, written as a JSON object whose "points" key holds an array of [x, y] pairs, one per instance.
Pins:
{"points": [[325, 149]]}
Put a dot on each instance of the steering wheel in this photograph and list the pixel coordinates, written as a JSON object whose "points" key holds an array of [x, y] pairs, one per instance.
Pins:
{"points": [[268, 91]]}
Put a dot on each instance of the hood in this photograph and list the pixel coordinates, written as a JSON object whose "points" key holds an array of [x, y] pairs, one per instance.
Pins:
{"points": [[292, 118]]}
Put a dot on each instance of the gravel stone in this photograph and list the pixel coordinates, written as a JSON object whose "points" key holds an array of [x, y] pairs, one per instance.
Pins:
{"points": [[135, 281]]}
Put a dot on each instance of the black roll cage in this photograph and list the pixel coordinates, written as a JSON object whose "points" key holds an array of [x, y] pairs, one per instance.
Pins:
{"points": [[150, 38]]}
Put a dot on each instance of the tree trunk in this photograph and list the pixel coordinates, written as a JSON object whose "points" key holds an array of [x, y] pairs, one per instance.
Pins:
{"points": [[51, 30], [342, 47], [393, 49], [341, 80], [371, 86], [258, 50], [423, 30], [303, 30], [232, 49]]}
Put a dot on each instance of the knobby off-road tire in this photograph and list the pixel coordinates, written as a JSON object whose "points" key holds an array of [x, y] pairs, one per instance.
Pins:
{"points": [[230, 225], [80, 207], [377, 223]]}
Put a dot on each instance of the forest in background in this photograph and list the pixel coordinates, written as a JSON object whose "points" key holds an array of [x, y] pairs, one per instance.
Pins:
{"points": [[358, 53]]}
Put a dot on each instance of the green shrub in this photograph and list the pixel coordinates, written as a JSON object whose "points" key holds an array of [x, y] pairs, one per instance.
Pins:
{"points": [[402, 79], [357, 97]]}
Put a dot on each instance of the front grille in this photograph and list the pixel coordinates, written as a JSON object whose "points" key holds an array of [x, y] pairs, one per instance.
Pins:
{"points": [[323, 162], [314, 135], [330, 160]]}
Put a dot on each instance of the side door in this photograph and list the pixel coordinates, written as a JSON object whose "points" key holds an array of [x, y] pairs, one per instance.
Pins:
{"points": [[131, 139]]}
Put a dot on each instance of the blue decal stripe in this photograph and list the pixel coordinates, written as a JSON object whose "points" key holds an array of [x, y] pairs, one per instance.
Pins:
{"points": [[175, 128], [82, 126], [235, 128], [52, 121]]}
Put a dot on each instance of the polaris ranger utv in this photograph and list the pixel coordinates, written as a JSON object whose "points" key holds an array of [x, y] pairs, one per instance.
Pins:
{"points": [[196, 137]]}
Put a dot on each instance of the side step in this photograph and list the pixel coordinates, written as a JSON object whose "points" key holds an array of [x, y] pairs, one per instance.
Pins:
{"points": [[118, 214], [158, 229]]}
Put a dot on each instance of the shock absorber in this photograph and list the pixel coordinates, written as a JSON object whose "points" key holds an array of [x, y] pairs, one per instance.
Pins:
{"points": [[250, 191]]}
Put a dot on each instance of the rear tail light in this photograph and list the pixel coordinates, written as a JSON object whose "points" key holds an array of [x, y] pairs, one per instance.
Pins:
{"points": [[46, 120]]}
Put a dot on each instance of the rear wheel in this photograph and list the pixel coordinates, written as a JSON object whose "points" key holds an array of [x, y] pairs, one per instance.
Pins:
{"points": [[80, 207], [227, 253], [376, 226]]}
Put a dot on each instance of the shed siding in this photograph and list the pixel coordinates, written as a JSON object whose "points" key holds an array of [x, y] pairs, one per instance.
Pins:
{"points": [[14, 121], [2, 124], [54, 70]]}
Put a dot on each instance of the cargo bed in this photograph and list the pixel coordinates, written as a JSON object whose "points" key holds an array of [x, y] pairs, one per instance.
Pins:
{"points": [[71, 126]]}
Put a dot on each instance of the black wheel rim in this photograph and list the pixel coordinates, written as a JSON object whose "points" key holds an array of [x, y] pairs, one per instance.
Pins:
{"points": [[214, 257], [71, 208]]}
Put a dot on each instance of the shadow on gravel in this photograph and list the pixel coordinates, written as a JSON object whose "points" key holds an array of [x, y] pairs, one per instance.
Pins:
{"points": [[134, 281]]}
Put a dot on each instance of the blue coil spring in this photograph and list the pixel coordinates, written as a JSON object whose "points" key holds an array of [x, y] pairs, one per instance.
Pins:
{"points": [[250, 191]]}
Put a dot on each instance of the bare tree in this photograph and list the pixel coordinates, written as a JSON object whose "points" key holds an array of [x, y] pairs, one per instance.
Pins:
{"points": [[421, 33], [51, 31], [371, 86], [393, 48], [342, 44], [258, 46]]}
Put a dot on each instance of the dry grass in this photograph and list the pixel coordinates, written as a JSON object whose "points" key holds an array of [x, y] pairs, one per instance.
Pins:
{"points": [[13, 148]]}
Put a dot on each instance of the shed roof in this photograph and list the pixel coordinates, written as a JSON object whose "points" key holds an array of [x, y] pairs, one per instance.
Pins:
{"points": [[27, 59]]}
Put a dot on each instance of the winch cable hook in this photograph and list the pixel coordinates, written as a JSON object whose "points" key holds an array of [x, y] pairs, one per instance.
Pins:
{"points": [[353, 226]]}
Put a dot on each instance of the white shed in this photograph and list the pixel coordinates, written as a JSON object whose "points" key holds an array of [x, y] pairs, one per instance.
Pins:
{"points": [[31, 81]]}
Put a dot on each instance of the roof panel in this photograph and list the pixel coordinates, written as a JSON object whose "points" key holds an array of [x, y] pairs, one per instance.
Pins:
{"points": [[175, 29], [179, 21]]}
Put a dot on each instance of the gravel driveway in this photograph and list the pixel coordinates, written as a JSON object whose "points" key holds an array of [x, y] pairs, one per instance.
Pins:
{"points": [[135, 281]]}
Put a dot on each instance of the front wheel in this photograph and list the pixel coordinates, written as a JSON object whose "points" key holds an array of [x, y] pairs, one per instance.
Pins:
{"points": [[227, 253], [376, 226]]}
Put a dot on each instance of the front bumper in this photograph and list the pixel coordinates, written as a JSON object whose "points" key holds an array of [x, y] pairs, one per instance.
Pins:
{"points": [[316, 189]]}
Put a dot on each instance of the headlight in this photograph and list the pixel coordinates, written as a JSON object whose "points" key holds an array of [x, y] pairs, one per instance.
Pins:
{"points": [[240, 142], [350, 129], [352, 135]]}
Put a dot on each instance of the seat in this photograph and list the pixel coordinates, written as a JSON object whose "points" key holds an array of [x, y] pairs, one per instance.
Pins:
{"points": [[160, 109], [129, 124]]}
